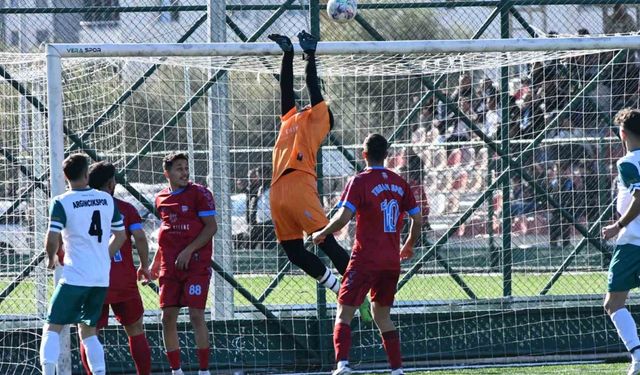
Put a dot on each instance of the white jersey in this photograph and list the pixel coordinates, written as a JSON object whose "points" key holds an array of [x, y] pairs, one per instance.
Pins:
{"points": [[628, 182], [86, 218]]}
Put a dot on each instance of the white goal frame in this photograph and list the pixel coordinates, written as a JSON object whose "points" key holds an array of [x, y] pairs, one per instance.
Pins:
{"points": [[56, 52]]}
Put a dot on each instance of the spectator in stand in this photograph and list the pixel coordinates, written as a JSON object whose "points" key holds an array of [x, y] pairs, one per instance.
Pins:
{"points": [[460, 132], [485, 90], [522, 197], [492, 118], [565, 130], [260, 231], [464, 89], [478, 173], [240, 186], [428, 112], [531, 116], [561, 185], [525, 87], [397, 158], [425, 142], [445, 183], [414, 179], [619, 21]]}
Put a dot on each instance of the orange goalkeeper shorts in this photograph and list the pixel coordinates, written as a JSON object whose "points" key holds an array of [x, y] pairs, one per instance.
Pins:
{"points": [[295, 206]]}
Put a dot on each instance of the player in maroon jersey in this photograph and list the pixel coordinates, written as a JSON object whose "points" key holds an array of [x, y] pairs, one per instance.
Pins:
{"points": [[183, 260], [378, 198], [123, 295]]}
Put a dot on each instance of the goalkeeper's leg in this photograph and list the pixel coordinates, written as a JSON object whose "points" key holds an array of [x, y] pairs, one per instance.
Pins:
{"points": [[336, 253], [310, 264], [340, 259]]}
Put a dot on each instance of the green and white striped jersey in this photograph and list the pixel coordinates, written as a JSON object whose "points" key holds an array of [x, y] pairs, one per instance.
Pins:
{"points": [[85, 218], [628, 182]]}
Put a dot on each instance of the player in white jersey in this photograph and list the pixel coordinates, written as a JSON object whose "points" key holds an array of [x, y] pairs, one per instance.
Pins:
{"points": [[83, 219], [624, 270]]}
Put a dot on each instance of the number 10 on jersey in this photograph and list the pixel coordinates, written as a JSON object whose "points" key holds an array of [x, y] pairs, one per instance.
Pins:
{"points": [[391, 211]]}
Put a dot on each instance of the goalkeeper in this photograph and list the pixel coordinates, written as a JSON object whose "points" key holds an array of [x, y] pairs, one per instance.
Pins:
{"points": [[295, 204]]}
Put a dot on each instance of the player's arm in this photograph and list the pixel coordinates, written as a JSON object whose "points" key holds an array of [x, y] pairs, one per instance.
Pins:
{"points": [[414, 234], [154, 271], [116, 241], [142, 246], [309, 43], [412, 208], [337, 222], [117, 229], [133, 222], [349, 201], [630, 177], [53, 240], [209, 230], [52, 243], [627, 217]]}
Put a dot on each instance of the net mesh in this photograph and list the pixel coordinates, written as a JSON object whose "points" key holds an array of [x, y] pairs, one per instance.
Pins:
{"points": [[505, 208]]}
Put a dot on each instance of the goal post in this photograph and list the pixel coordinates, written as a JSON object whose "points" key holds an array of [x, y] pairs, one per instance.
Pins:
{"points": [[399, 47], [437, 102]]}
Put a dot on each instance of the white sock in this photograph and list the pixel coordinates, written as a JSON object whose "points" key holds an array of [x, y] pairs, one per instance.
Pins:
{"points": [[342, 364], [204, 372], [177, 372], [49, 352], [329, 281], [627, 330], [95, 355]]}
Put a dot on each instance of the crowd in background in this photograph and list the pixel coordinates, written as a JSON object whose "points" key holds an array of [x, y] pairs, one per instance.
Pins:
{"points": [[574, 163], [449, 165]]}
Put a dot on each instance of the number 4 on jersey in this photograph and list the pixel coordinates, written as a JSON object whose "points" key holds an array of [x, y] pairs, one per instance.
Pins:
{"points": [[95, 229]]}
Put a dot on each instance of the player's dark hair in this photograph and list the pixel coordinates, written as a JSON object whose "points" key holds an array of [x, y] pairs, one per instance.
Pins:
{"points": [[376, 146], [100, 173], [75, 166], [629, 119], [168, 160]]}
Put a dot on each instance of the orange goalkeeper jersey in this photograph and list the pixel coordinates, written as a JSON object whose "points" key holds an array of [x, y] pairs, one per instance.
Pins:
{"points": [[299, 139]]}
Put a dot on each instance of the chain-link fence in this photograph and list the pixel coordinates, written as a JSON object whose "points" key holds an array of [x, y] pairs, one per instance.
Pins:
{"points": [[511, 158]]}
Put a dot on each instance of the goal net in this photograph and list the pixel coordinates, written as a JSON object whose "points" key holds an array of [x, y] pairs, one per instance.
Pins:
{"points": [[509, 147]]}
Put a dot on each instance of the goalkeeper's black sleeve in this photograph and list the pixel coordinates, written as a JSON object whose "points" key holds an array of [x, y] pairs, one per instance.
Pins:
{"points": [[287, 96], [311, 76]]}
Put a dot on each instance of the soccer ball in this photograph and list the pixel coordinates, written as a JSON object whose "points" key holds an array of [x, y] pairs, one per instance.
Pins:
{"points": [[341, 10]]}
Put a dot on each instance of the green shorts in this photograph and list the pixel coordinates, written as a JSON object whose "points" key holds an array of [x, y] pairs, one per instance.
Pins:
{"points": [[624, 269], [72, 304]]}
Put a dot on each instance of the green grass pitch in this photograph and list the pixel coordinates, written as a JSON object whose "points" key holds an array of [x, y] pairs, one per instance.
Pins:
{"points": [[300, 289]]}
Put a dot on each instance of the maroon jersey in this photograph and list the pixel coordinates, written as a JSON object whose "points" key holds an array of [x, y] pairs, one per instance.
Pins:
{"points": [[181, 212], [379, 198], [123, 278]]}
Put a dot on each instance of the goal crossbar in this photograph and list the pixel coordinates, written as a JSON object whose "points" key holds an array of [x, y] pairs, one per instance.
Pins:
{"points": [[402, 47]]}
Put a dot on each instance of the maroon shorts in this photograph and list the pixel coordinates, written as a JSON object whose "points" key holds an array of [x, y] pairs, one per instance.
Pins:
{"points": [[127, 312], [357, 283], [185, 289]]}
